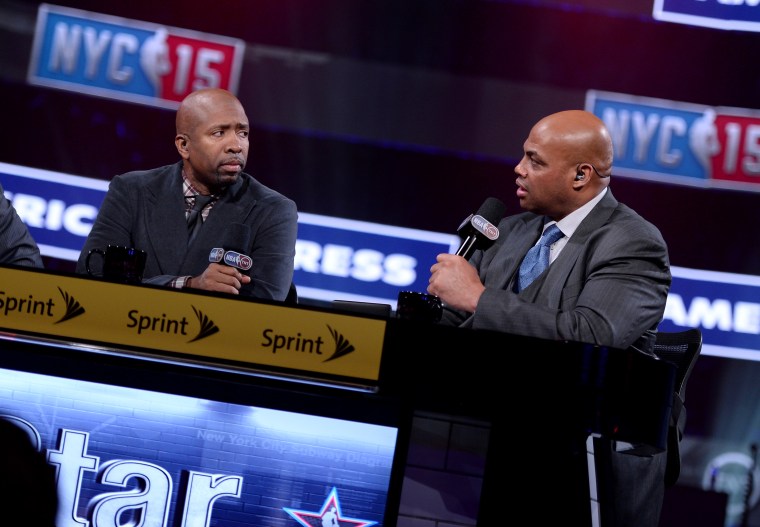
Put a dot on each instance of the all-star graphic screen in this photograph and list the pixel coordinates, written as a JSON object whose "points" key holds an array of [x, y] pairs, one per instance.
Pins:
{"points": [[133, 456]]}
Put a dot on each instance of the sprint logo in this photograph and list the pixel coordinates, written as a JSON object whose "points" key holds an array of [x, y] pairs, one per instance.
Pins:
{"points": [[207, 326], [342, 345], [39, 308], [73, 308], [307, 345], [165, 325]]}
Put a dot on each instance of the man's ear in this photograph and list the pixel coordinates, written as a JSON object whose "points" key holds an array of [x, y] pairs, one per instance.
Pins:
{"points": [[181, 141], [581, 175]]}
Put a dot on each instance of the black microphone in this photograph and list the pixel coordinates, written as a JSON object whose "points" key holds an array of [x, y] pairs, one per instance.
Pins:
{"points": [[236, 240], [478, 231]]}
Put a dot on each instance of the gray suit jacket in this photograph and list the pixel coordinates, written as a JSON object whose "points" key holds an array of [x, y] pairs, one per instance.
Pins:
{"points": [[146, 210], [608, 286], [17, 246]]}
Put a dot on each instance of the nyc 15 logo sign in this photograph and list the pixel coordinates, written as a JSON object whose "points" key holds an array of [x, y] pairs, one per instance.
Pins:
{"points": [[681, 143], [129, 60]]}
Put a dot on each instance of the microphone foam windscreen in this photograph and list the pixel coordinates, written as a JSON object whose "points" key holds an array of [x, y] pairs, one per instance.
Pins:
{"points": [[493, 210]]}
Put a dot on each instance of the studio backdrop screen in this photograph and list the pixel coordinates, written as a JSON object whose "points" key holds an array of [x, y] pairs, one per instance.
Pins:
{"points": [[126, 455]]}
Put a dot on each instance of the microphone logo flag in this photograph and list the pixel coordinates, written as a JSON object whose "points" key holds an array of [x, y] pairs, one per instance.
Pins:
{"points": [[235, 259], [488, 229], [231, 258], [216, 255], [476, 231]]}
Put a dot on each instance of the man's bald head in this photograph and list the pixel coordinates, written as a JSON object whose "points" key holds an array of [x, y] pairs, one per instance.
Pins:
{"points": [[581, 136], [566, 163], [196, 107]]}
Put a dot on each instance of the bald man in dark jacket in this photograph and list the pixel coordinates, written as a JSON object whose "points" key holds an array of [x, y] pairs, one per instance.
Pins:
{"points": [[148, 209]]}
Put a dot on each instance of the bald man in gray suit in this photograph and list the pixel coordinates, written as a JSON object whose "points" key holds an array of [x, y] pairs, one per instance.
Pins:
{"points": [[17, 246], [606, 284]]}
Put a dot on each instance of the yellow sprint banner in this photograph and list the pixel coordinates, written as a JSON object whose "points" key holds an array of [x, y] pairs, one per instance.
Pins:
{"points": [[213, 327]]}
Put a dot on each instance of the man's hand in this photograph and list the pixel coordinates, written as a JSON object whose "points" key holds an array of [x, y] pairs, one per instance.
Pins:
{"points": [[455, 282], [221, 278]]}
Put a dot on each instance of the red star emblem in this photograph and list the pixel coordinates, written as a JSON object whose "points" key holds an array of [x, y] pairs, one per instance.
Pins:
{"points": [[329, 516]]}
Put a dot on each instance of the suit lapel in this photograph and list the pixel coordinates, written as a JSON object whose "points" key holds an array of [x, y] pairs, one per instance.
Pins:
{"points": [[165, 218], [549, 286], [506, 261], [228, 209]]}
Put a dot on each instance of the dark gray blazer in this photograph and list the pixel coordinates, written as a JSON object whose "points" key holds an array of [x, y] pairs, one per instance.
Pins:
{"points": [[17, 246], [607, 287], [146, 210]]}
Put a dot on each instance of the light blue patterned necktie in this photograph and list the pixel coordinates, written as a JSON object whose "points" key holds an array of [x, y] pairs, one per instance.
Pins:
{"points": [[537, 259]]}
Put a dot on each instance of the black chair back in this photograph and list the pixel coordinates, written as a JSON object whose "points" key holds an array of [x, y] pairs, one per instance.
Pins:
{"points": [[681, 348]]}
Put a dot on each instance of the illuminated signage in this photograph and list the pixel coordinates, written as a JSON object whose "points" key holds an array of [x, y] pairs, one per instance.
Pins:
{"points": [[126, 456], [127, 59], [353, 260], [244, 333], [681, 143], [738, 15], [724, 306]]}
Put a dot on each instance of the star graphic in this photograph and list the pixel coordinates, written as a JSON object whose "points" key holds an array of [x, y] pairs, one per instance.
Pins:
{"points": [[329, 516]]}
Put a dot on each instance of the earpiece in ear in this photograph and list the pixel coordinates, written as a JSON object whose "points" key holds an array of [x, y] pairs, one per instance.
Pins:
{"points": [[579, 176]]}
